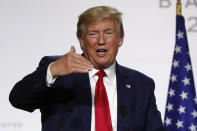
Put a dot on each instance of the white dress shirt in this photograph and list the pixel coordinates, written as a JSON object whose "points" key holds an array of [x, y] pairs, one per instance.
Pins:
{"points": [[111, 89]]}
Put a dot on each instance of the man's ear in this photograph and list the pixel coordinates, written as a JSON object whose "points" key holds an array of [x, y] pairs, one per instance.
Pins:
{"points": [[82, 43], [120, 42]]}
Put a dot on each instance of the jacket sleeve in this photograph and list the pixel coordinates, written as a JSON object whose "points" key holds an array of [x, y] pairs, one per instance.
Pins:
{"points": [[154, 122], [30, 93]]}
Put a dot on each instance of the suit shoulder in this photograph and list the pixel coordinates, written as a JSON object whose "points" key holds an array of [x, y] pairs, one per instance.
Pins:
{"points": [[48, 59], [138, 79], [132, 73]]}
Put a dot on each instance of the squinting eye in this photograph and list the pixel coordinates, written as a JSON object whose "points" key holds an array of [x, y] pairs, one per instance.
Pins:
{"points": [[92, 34], [110, 32]]}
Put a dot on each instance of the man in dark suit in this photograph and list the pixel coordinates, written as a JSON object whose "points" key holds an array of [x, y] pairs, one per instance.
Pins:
{"points": [[90, 92]]}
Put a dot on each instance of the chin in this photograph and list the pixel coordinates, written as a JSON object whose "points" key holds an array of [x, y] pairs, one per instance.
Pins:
{"points": [[103, 65]]}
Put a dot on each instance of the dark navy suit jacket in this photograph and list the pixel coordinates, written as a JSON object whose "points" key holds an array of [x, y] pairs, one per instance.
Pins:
{"points": [[67, 104]]}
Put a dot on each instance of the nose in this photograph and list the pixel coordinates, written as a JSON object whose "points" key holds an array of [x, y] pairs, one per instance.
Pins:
{"points": [[101, 39]]}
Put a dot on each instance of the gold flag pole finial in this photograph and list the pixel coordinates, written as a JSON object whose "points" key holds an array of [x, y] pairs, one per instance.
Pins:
{"points": [[178, 7]]}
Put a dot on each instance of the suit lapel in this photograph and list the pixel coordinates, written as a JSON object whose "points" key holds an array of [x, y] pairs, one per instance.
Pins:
{"points": [[83, 92], [124, 94]]}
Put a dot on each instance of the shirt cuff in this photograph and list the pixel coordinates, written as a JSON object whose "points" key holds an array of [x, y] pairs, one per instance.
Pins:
{"points": [[49, 78]]}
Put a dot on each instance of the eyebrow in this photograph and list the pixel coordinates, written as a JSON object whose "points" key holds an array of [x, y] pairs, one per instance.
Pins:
{"points": [[108, 30], [92, 31]]}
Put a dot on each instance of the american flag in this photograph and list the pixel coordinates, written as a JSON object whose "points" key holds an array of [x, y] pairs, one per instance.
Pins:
{"points": [[181, 106]]}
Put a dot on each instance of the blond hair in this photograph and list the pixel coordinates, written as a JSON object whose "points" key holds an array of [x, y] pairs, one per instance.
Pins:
{"points": [[97, 13]]}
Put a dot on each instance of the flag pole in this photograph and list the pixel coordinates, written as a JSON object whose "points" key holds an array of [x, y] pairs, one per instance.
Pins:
{"points": [[178, 8]]}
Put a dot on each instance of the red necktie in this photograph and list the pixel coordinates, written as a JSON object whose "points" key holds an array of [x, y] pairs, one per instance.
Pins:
{"points": [[102, 111]]}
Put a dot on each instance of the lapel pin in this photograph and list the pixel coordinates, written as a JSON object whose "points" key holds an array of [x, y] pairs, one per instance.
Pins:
{"points": [[128, 86]]}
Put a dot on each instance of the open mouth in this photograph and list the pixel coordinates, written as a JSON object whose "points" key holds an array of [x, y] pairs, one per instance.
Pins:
{"points": [[101, 52]]}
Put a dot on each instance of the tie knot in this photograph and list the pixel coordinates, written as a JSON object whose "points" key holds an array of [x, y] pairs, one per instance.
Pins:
{"points": [[101, 73]]}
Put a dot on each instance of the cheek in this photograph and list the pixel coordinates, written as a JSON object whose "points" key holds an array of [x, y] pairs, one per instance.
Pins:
{"points": [[90, 47], [114, 47], [91, 42], [113, 44], [113, 39]]}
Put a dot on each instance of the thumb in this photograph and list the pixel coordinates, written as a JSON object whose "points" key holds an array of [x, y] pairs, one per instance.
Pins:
{"points": [[72, 49]]}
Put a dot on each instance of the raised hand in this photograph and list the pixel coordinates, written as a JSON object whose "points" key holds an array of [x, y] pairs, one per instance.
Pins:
{"points": [[69, 63]]}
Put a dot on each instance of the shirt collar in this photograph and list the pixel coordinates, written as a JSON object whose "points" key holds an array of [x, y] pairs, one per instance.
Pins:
{"points": [[110, 71]]}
